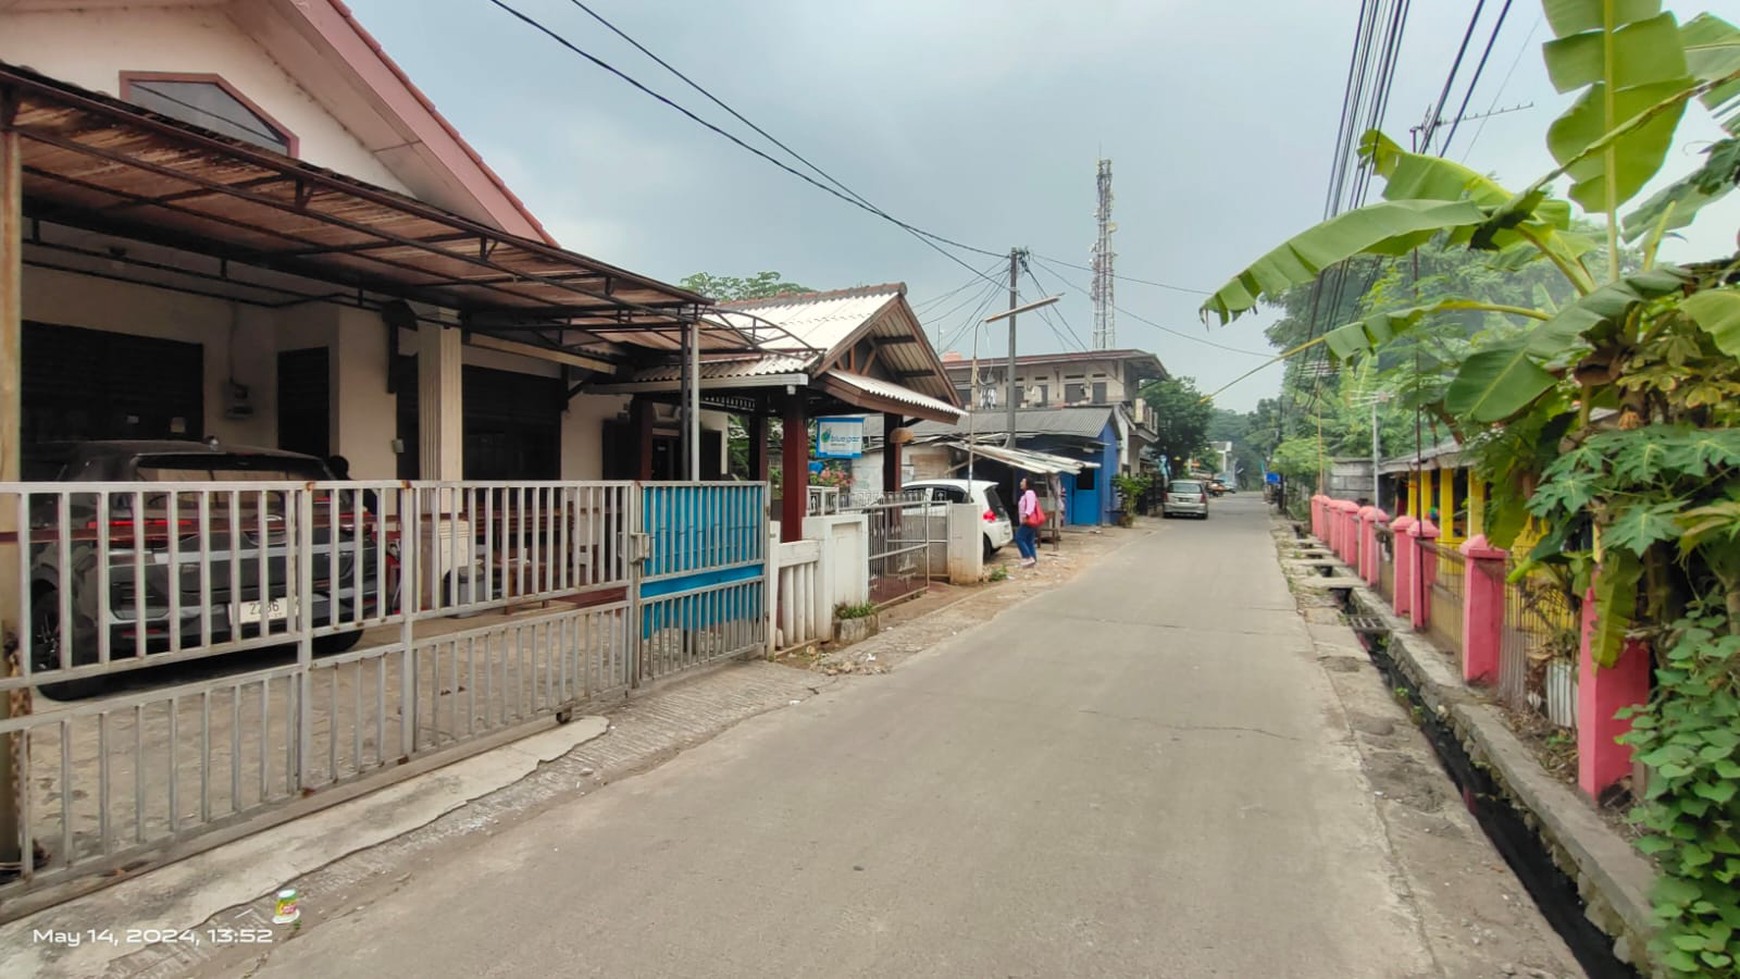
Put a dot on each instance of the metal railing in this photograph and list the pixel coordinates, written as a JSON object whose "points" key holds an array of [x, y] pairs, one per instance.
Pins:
{"points": [[1443, 587], [904, 526], [824, 501], [197, 653], [1537, 650]]}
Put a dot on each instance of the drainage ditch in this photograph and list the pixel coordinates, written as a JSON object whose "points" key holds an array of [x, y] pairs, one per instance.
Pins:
{"points": [[1553, 892]]}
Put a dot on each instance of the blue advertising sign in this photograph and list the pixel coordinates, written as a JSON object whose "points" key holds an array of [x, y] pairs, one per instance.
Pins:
{"points": [[839, 438]]}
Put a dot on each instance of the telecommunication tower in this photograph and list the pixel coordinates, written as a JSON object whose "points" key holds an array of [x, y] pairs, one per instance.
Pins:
{"points": [[1105, 325]]}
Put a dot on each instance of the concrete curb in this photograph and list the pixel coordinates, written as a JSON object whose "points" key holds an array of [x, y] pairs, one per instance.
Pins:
{"points": [[1613, 879], [185, 894]]}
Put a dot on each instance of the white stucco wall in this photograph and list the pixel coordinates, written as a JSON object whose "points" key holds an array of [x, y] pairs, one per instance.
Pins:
{"points": [[90, 48]]}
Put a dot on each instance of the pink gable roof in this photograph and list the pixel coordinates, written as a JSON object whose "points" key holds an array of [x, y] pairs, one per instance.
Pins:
{"points": [[329, 53]]}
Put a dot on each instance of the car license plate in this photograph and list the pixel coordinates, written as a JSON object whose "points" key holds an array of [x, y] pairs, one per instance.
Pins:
{"points": [[253, 613]]}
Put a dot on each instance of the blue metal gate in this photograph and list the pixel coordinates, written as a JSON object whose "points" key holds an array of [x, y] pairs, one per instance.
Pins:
{"points": [[703, 588]]}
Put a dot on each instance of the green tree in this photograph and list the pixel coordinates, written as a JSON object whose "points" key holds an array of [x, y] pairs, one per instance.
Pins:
{"points": [[1181, 419], [730, 288]]}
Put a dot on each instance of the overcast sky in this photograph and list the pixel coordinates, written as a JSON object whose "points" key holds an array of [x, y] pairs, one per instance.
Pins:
{"points": [[981, 121]]}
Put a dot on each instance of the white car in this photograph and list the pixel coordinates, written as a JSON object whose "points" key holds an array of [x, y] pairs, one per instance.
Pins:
{"points": [[999, 528]]}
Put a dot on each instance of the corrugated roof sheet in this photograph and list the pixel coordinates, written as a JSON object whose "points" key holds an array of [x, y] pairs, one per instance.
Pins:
{"points": [[1085, 422], [1026, 459], [895, 392], [820, 320], [730, 368]]}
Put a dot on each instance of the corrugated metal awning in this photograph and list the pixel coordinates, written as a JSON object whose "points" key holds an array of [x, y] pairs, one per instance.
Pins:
{"points": [[1025, 459], [98, 164]]}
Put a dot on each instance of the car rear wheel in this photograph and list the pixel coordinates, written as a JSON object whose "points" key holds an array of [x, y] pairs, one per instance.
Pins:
{"points": [[989, 550], [45, 650]]}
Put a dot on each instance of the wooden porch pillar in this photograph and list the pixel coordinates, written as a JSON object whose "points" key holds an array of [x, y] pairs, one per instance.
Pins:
{"points": [[758, 433], [12, 628], [890, 453], [640, 413], [795, 470]]}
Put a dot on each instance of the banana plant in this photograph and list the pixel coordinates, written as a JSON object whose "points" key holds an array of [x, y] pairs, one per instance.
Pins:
{"points": [[1635, 69]]}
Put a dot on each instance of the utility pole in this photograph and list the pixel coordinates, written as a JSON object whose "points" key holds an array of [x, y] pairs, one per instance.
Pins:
{"points": [[1105, 324], [1016, 257]]}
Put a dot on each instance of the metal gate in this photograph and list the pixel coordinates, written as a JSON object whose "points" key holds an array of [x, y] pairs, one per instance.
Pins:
{"points": [[702, 594], [200, 653], [908, 542]]}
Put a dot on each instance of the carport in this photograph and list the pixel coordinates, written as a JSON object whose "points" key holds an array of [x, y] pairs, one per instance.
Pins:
{"points": [[104, 192]]}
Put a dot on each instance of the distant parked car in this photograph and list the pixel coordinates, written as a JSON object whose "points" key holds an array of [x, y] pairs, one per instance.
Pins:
{"points": [[999, 529], [139, 543], [1185, 497]]}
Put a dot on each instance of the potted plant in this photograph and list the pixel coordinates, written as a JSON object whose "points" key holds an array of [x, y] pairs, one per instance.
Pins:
{"points": [[1132, 490]]}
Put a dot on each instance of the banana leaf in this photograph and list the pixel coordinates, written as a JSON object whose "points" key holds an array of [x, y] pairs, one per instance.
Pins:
{"points": [[1712, 47], [1496, 382], [1675, 206], [1717, 312], [1384, 228], [1628, 58]]}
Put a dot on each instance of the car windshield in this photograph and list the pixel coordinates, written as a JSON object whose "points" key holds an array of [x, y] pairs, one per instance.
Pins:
{"points": [[1186, 486]]}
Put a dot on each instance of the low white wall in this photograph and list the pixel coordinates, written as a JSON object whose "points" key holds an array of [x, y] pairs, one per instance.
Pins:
{"points": [[845, 540]]}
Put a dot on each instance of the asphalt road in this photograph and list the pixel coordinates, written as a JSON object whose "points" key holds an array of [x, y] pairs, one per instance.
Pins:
{"points": [[1142, 773]]}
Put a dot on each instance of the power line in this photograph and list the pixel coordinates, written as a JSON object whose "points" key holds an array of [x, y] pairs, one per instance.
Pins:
{"points": [[1048, 311], [984, 290], [769, 136], [922, 235], [1474, 82], [1148, 322], [973, 321], [1369, 58], [935, 301], [1527, 43], [1126, 278], [1429, 128]]}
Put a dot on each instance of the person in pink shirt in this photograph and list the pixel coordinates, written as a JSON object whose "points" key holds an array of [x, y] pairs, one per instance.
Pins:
{"points": [[1027, 531]]}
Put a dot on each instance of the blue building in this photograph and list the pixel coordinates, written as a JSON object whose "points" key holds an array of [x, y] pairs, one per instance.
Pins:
{"points": [[1090, 434]]}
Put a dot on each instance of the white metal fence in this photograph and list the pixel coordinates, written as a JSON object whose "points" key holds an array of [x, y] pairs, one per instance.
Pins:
{"points": [[196, 653]]}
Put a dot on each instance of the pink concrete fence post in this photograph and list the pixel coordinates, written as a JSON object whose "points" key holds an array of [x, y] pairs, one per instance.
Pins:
{"points": [[1482, 608], [1601, 693], [1317, 528], [1403, 528], [1349, 532], [1338, 515], [1371, 518], [1425, 571]]}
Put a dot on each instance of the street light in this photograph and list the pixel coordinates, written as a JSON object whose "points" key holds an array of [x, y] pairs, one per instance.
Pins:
{"points": [[1373, 400], [972, 417]]}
